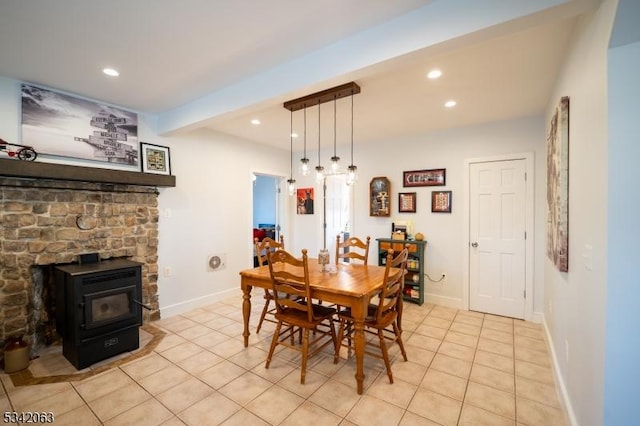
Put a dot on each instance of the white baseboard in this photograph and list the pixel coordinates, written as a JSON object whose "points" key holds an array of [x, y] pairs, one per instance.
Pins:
{"points": [[443, 301], [188, 305], [564, 396]]}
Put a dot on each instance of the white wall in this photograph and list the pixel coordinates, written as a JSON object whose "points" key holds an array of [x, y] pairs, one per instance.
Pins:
{"points": [[209, 212], [444, 232], [622, 373], [575, 313]]}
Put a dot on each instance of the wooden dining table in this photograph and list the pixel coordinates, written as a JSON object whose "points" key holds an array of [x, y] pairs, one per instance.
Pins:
{"points": [[351, 285]]}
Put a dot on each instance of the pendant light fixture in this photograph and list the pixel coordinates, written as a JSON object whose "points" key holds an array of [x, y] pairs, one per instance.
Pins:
{"points": [[291, 181], [335, 159], [319, 168], [352, 170], [304, 161], [333, 94]]}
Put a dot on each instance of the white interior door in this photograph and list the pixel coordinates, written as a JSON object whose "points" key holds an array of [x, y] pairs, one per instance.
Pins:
{"points": [[497, 245]]}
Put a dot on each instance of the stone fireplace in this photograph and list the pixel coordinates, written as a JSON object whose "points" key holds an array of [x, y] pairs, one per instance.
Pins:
{"points": [[48, 222]]}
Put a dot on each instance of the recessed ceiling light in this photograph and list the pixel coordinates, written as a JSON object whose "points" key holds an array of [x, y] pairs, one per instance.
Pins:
{"points": [[255, 122], [111, 72], [294, 135], [433, 74], [450, 104]]}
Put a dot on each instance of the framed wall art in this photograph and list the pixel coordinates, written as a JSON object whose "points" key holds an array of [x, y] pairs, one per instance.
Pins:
{"points": [[379, 202], [558, 186], [304, 199], [433, 177], [441, 201], [59, 124], [407, 202], [155, 159]]}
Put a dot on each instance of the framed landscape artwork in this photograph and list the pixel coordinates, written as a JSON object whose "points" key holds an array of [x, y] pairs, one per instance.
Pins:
{"points": [[558, 186], [57, 124]]}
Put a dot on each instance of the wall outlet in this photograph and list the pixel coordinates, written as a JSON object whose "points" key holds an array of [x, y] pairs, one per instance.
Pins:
{"points": [[167, 271]]}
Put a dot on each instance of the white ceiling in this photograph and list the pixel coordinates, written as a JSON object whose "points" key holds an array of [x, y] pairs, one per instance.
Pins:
{"points": [[176, 56]]}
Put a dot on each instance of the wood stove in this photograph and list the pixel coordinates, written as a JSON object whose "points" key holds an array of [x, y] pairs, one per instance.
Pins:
{"points": [[98, 309]]}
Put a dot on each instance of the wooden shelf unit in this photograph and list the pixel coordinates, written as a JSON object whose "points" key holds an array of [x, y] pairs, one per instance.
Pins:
{"points": [[413, 290]]}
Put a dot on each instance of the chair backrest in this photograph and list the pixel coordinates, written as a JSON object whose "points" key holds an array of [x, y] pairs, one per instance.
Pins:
{"points": [[392, 285], [265, 246], [290, 281], [356, 248]]}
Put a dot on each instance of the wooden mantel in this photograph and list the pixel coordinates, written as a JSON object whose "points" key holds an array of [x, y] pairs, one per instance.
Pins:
{"points": [[37, 170]]}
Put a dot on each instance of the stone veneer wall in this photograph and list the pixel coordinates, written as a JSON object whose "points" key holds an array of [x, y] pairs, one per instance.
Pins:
{"points": [[45, 222]]}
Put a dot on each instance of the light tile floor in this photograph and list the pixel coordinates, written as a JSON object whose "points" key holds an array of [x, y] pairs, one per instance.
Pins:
{"points": [[464, 368]]}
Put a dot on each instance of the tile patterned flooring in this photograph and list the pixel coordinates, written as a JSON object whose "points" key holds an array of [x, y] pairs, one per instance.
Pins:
{"points": [[464, 368]]}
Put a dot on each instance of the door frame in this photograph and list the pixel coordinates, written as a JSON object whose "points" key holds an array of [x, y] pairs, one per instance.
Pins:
{"points": [[529, 209]]}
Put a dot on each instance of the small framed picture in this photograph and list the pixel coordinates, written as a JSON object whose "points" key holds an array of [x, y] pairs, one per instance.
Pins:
{"points": [[155, 159], [433, 177], [441, 201], [407, 202]]}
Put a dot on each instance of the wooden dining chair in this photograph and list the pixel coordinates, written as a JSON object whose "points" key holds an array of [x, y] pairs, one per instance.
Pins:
{"points": [[262, 248], [382, 316], [352, 248], [295, 309]]}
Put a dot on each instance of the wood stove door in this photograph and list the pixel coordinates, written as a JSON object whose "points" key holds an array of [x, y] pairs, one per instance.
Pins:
{"points": [[112, 306]]}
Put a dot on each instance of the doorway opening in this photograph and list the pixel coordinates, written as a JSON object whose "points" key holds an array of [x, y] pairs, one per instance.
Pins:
{"points": [[267, 207]]}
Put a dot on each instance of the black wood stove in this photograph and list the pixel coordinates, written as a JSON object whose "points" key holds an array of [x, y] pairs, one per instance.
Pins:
{"points": [[98, 309]]}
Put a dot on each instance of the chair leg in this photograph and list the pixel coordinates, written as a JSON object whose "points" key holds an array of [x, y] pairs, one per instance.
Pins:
{"points": [[339, 340], [264, 310], [305, 354], [274, 342], [336, 342], [398, 331], [385, 354]]}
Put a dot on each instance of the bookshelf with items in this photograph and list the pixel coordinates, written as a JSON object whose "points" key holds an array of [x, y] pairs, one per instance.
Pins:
{"points": [[413, 286]]}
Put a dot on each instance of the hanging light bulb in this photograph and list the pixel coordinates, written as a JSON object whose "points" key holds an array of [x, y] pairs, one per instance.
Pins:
{"points": [[319, 168], [291, 181], [335, 159], [304, 161], [352, 170]]}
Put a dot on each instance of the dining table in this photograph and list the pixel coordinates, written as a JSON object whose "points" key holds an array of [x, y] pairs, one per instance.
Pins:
{"points": [[349, 285]]}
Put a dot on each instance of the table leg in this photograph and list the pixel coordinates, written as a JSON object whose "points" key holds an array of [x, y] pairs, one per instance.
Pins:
{"points": [[358, 337], [246, 311], [359, 311]]}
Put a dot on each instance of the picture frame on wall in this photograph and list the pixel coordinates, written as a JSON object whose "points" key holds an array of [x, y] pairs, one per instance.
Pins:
{"points": [[433, 177], [441, 201], [59, 124], [304, 200], [407, 202], [155, 159], [379, 193]]}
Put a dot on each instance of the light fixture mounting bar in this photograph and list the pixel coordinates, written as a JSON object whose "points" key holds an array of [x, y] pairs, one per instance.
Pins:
{"points": [[327, 95]]}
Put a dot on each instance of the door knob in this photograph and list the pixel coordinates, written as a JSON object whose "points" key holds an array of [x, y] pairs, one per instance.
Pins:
{"points": [[474, 244]]}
